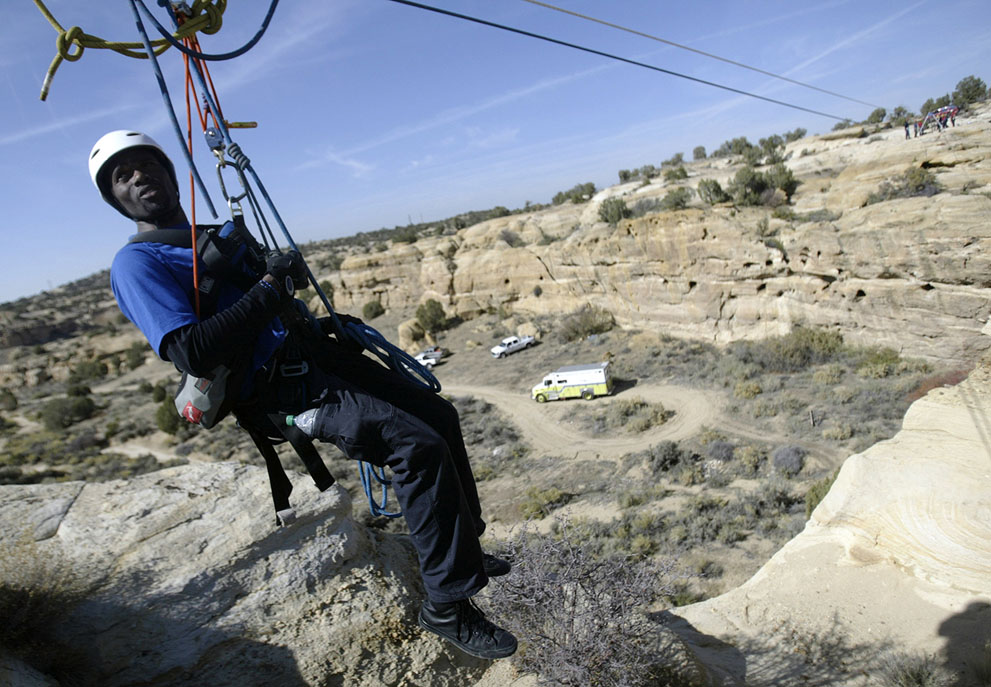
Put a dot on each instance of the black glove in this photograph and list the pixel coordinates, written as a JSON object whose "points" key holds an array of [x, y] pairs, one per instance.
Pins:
{"points": [[288, 270], [327, 326]]}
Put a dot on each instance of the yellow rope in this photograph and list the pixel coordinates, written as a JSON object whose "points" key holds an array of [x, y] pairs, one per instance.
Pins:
{"points": [[207, 16]]}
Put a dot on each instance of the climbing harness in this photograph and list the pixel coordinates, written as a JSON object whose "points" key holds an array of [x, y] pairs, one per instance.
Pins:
{"points": [[206, 16]]}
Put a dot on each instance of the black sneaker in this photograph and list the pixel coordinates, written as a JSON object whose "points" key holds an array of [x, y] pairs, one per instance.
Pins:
{"points": [[494, 567], [465, 626]]}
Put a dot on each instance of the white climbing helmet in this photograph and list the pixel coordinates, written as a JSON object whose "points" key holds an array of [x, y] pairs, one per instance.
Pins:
{"points": [[114, 142]]}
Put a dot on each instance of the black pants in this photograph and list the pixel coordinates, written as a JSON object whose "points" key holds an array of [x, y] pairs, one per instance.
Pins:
{"points": [[376, 415]]}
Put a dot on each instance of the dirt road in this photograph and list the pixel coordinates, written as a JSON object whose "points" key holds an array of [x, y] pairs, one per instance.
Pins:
{"points": [[548, 427]]}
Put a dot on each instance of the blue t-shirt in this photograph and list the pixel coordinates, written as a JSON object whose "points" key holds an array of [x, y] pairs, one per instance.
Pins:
{"points": [[153, 285]]}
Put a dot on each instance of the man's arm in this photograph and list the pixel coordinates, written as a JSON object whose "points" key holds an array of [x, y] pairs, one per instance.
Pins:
{"points": [[199, 348]]}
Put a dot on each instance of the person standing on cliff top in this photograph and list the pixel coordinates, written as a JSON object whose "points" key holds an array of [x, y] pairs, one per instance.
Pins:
{"points": [[371, 413]]}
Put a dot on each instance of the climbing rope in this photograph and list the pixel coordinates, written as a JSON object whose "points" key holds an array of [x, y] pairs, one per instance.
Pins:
{"points": [[206, 16]]}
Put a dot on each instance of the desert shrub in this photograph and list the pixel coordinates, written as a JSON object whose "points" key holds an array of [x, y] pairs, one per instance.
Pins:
{"points": [[970, 89], [877, 116], [60, 413], [539, 502], [8, 401], [576, 194], [636, 414], [38, 587], [736, 146], [644, 206], [167, 418], [827, 375], [782, 178], [788, 460], [612, 210], [134, 356], [584, 614], [511, 238], [372, 309], [711, 192], [838, 432], [77, 390], [878, 363], [430, 315], [751, 457], [407, 234], [795, 135], [911, 670], [817, 492], [915, 181], [675, 174], [794, 352], [747, 389], [676, 199], [698, 153], [665, 456], [720, 450], [86, 370], [748, 186], [587, 320], [821, 215], [158, 393], [844, 124]]}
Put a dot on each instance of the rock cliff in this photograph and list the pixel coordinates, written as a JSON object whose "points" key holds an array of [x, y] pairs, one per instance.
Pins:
{"points": [[188, 581], [908, 273], [897, 557]]}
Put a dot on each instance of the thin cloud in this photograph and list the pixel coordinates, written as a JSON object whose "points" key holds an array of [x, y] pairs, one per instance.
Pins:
{"points": [[60, 125]]}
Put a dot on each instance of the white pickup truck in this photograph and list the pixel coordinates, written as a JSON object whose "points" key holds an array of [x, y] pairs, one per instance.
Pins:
{"points": [[511, 344]]}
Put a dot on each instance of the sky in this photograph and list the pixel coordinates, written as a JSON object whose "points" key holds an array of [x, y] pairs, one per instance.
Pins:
{"points": [[375, 114]]}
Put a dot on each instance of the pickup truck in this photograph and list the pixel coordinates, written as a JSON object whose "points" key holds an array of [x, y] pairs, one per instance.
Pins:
{"points": [[511, 344]]}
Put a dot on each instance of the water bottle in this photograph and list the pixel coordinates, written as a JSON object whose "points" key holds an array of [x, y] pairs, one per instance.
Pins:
{"points": [[304, 421]]}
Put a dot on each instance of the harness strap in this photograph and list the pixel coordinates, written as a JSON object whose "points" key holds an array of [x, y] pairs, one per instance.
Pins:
{"points": [[303, 445], [277, 478]]}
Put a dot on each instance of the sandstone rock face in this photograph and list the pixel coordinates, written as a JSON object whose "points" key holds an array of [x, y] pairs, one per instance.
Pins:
{"points": [[192, 583], [908, 273], [897, 556]]}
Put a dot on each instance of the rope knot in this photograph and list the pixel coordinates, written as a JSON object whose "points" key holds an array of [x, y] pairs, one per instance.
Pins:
{"points": [[234, 150], [214, 14], [66, 39]]}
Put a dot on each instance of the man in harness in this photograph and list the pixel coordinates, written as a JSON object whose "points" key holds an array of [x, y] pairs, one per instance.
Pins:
{"points": [[282, 361]]}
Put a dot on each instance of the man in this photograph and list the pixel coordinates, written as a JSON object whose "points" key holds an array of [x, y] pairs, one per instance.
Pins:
{"points": [[368, 411]]}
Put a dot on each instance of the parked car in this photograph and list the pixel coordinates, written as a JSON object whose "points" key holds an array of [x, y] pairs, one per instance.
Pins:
{"points": [[433, 353], [511, 344], [425, 360]]}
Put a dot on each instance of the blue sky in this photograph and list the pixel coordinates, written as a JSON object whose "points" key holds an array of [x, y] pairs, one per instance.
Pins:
{"points": [[372, 114]]}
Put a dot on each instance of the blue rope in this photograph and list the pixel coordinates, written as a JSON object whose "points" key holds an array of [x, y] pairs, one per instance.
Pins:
{"points": [[205, 56], [369, 338], [168, 107]]}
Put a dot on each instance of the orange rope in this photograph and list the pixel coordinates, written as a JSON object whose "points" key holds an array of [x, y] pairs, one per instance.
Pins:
{"points": [[192, 192]]}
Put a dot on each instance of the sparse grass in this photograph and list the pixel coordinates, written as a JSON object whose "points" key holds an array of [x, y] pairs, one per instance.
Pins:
{"points": [[817, 492], [911, 670], [38, 587]]}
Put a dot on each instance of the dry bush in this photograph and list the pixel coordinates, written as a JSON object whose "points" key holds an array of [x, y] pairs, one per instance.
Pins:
{"points": [[37, 589], [582, 618]]}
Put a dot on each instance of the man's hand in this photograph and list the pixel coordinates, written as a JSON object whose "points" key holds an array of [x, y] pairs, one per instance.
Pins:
{"points": [[287, 270]]}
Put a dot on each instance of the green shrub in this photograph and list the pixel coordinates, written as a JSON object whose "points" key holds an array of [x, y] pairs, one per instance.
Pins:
{"points": [[789, 460], [828, 375], [8, 401], [540, 502], [969, 90], [747, 389], [711, 192], [795, 135], [134, 356], [676, 199], [877, 116], [87, 370], [407, 234], [167, 418], [612, 210], [372, 309], [698, 153], [158, 393], [794, 352], [60, 413], [675, 174], [664, 456], [585, 321], [576, 194], [430, 315]]}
